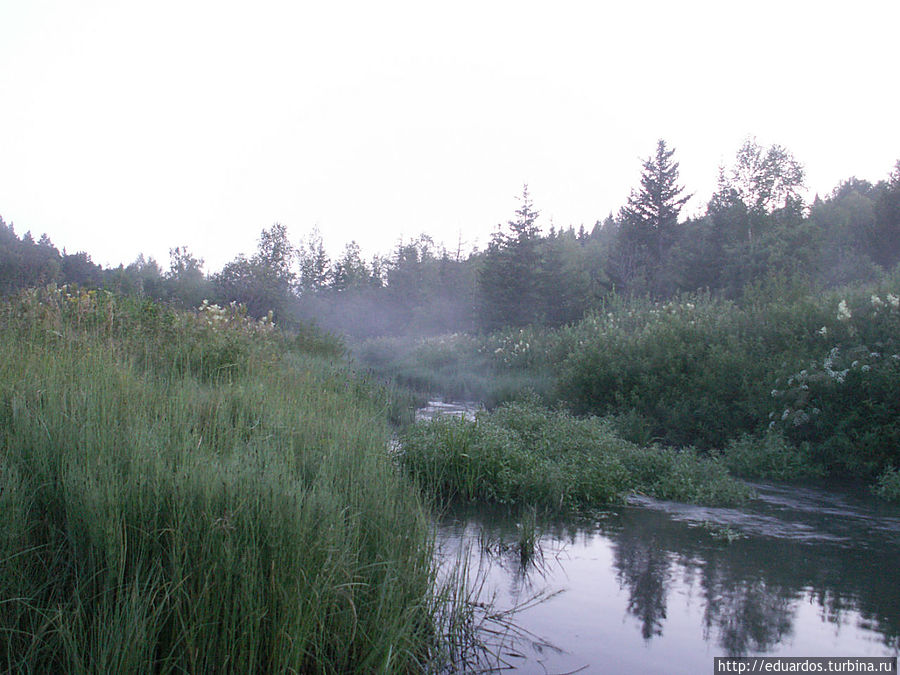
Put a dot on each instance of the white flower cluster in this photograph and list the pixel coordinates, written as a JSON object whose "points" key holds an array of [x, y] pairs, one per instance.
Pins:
{"points": [[233, 315], [828, 366], [843, 312], [512, 347], [890, 300]]}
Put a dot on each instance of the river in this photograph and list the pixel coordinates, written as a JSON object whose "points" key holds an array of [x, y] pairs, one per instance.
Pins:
{"points": [[653, 586]]}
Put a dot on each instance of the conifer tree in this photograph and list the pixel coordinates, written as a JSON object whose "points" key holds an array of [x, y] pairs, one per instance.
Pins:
{"points": [[650, 218], [509, 276]]}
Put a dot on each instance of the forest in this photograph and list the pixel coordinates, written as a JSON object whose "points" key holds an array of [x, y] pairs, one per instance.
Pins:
{"points": [[756, 229]]}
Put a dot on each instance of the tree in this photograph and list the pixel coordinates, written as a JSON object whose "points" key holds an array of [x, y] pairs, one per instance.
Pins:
{"points": [[183, 264], [648, 226], [650, 218], [264, 282], [508, 279], [275, 257], [885, 235], [185, 278], [148, 276], [350, 271], [761, 182], [78, 268], [314, 264]]}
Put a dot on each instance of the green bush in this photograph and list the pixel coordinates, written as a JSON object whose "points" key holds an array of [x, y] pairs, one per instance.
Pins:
{"points": [[770, 456], [888, 485], [844, 403]]}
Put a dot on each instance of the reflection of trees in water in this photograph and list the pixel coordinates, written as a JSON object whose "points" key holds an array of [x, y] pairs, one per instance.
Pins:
{"points": [[859, 583], [642, 564], [748, 614], [751, 587], [744, 611]]}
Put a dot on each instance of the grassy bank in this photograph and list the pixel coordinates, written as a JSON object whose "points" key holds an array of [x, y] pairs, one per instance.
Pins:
{"points": [[524, 454], [198, 493]]}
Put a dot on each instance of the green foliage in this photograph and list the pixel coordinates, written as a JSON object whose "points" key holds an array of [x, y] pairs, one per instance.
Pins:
{"points": [[691, 370], [508, 277], [197, 493], [888, 485], [845, 402], [523, 453], [771, 456]]}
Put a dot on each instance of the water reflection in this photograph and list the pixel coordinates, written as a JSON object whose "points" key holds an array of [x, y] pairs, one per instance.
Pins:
{"points": [[643, 566], [674, 584]]}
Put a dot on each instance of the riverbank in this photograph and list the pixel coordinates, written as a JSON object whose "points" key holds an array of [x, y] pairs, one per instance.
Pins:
{"points": [[198, 492], [785, 384]]}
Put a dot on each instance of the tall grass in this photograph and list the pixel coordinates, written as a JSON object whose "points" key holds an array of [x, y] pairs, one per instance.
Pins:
{"points": [[523, 454], [196, 493]]}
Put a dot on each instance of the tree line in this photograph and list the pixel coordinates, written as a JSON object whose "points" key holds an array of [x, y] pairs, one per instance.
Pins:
{"points": [[755, 227]]}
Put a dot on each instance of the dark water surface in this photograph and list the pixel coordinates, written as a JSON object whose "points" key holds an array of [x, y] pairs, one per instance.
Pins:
{"points": [[664, 587]]}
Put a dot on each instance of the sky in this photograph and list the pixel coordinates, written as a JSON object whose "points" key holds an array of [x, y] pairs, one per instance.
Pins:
{"points": [[134, 127]]}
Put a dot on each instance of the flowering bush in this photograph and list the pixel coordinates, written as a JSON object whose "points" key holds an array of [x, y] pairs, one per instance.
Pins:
{"points": [[845, 403], [234, 316]]}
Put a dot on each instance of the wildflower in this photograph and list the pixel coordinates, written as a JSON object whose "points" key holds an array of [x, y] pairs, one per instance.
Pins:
{"points": [[843, 313], [775, 393], [823, 331], [893, 300], [877, 302], [866, 368]]}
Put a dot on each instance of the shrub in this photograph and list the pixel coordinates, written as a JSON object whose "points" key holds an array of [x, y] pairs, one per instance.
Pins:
{"points": [[770, 456], [888, 485]]}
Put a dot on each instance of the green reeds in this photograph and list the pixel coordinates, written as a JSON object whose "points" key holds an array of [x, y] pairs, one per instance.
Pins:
{"points": [[183, 496]]}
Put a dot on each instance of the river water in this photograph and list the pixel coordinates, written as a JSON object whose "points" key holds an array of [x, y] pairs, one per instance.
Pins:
{"points": [[656, 586]]}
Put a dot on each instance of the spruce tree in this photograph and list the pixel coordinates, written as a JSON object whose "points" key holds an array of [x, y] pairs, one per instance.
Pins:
{"points": [[508, 278], [650, 218]]}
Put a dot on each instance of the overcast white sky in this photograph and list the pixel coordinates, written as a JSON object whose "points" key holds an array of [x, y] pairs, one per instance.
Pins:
{"points": [[129, 127]]}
